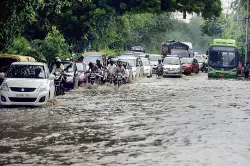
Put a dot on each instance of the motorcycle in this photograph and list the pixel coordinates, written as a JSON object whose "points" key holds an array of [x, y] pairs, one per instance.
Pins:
{"points": [[59, 88], [204, 68], [92, 78], [159, 71], [119, 79]]}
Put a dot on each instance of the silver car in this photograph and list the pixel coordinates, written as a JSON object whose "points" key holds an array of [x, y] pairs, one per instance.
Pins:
{"points": [[153, 59], [172, 66]]}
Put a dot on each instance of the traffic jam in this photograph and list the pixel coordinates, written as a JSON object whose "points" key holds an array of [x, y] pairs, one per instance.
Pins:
{"points": [[28, 82]]}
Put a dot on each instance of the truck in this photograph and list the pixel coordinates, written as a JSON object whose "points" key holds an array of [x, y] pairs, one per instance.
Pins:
{"points": [[190, 49], [175, 48], [223, 59]]}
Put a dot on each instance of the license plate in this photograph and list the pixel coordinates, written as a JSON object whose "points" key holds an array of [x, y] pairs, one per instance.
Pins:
{"points": [[22, 95], [222, 75]]}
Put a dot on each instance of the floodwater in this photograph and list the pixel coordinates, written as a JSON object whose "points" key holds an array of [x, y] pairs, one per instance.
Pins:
{"points": [[189, 121]]}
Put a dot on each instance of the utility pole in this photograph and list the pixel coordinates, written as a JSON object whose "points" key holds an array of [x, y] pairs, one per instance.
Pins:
{"points": [[247, 20]]}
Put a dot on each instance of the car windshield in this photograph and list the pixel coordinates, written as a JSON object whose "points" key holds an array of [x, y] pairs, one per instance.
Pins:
{"points": [[130, 61], [88, 59], [180, 53], [223, 57], [200, 58], [145, 62], [69, 67], [171, 61], [154, 57], [186, 60], [65, 64], [81, 66], [26, 71]]}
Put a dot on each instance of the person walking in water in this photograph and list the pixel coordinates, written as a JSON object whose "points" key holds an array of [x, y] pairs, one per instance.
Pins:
{"points": [[246, 70]]}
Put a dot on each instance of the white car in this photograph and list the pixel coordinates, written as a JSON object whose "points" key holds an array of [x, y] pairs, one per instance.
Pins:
{"points": [[153, 58], [172, 66], [200, 59], [135, 65], [27, 83], [146, 67]]}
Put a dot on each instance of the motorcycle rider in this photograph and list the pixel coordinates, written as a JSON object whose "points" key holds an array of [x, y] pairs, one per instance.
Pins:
{"points": [[205, 64], [58, 67], [111, 69], [160, 66], [93, 69], [98, 64], [120, 69], [80, 59], [44, 61]]}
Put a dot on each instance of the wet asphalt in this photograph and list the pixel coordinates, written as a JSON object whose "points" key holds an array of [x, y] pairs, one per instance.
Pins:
{"points": [[188, 121]]}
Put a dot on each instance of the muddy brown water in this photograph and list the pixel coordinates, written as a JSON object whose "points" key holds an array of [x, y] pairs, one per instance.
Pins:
{"points": [[168, 121]]}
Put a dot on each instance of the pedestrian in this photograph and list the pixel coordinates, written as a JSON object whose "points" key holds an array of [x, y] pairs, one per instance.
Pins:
{"points": [[246, 70]]}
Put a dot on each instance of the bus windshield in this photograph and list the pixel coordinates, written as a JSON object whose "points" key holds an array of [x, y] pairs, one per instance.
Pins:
{"points": [[223, 57]]}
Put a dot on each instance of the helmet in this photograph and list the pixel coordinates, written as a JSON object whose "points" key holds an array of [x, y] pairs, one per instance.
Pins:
{"points": [[44, 61], [58, 60], [119, 63], [90, 64], [67, 59]]}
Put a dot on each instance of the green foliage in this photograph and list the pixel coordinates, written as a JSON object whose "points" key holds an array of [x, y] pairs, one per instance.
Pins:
{"points": [[13, 16], [53, 46], [226, 28], [19, 46], [98, 24]]}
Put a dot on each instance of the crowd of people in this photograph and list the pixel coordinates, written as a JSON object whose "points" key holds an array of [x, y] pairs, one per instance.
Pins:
{"points": [[113, 68]]}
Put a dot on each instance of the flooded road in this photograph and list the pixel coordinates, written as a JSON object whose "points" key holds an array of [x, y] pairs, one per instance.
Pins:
{"points": [[169, 121]]}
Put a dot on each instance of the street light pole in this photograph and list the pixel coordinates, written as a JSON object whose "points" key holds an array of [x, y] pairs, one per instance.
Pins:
{"points": [[247, 20]]}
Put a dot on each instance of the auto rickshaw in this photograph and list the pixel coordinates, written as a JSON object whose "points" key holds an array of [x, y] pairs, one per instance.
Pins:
{"points": [[7, 59]]}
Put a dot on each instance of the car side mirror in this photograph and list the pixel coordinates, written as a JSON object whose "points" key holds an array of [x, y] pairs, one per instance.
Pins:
{"points": [[52, 76], [207, 52], [2, 75]]}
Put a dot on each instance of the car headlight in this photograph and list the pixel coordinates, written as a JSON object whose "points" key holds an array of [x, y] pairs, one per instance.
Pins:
{"points": [[178, 68], [42, 87], [210, 70], [4, 87]]}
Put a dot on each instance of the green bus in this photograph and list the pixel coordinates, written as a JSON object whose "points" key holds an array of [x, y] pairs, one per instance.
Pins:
{"points": [[223, 59]]}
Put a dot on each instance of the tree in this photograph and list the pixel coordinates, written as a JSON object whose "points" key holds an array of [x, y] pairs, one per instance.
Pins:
{"points": [[53, 46], [13, 15]]}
